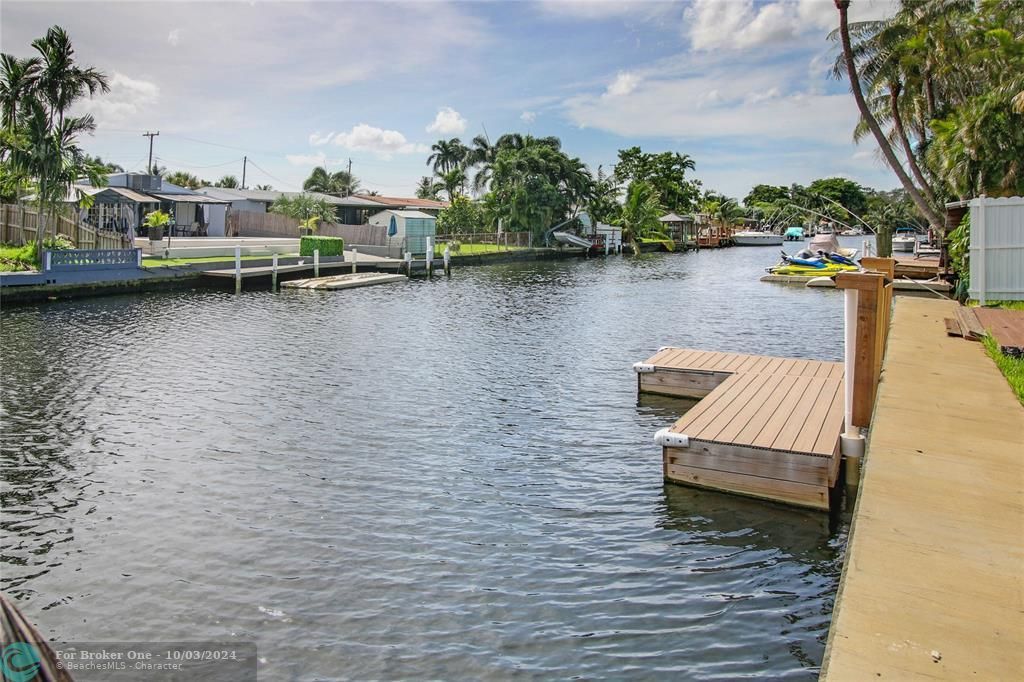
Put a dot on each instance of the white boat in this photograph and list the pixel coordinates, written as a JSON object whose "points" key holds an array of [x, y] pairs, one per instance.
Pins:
{"points": [[852, 232], [755, 238], [828, 243], [571, 239], [904, 240]]}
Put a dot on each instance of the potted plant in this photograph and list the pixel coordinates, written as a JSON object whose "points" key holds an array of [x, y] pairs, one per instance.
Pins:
{"points": [[156, 221]]}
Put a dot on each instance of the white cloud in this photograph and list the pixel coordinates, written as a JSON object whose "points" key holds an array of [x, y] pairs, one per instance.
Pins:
{"points": [[317, 140], [757, 104], [367, 138], [127, 97], [447, 122], [742, 24], [597, 10], [318, 159], [624, 83], [528, 116], [174, 37]]}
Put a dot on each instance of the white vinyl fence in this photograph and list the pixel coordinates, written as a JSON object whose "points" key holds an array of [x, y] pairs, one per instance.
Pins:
{"points": [[997, 249]]}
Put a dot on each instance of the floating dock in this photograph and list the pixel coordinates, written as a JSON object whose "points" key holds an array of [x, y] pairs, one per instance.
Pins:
{"points": [[933, 582], [766, 427], [349, 281], [899, 286]]}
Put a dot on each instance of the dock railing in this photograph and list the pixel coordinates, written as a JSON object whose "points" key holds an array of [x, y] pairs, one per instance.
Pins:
{"points": [[872, 301]]}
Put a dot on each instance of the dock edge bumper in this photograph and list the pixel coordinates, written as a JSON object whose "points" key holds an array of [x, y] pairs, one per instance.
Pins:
{"points": [[667, 439], [642, 368]]}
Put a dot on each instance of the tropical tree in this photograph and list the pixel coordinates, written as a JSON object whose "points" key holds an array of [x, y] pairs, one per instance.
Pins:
{"points": [[846, 193], [305, 208], [104, 166], [227, 182], [265, 188], [603, 204], [665, 172], [453, 181], [340, 183], [40, 137], [185, 179], [447, 155], [428, 188], [640, 214], [463, 216]]}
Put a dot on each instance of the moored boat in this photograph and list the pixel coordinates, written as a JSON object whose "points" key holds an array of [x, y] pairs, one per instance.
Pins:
{"points": [[904, 239], [794, 234], [756, 238]]}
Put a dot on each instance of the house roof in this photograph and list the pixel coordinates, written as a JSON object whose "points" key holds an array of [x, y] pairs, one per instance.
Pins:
{"points": [[674, 218], [190, 198], [406, 214], [269, 196], [404, 202]]}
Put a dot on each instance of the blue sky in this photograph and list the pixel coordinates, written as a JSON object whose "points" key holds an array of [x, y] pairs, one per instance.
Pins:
{"points": [[741, 86]]}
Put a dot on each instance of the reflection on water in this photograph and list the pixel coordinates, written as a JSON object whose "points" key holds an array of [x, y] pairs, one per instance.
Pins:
{"points": [[446, 479]]}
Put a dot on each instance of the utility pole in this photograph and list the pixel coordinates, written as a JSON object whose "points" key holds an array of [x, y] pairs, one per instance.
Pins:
{"points": [[149, 168], [245, 162], [348, 187]]}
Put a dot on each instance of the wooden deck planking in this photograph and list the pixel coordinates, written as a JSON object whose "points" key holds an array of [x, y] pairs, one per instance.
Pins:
{"points": [[722, 426], [935, 561], [715, 361]]}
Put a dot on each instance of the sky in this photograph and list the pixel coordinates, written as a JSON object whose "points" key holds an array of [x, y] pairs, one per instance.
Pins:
{"points": [[741, 86]]}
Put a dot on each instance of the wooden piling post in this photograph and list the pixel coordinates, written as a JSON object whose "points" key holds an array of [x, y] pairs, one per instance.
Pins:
{"points": [[355, 258], [273, 273], [874, 300], [430, 257], [316, 262], [447, 261], [238, 269], [408, 264]]}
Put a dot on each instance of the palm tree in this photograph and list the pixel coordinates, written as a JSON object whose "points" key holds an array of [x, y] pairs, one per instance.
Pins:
{"points": [[447, 155], [305, 208], [19, 78], [227, 182], [184, 179], [452, 181], [640, 214], [428, 188], [264, 188], [872, 123], [60, 80], [40, 139], [341, 183]]}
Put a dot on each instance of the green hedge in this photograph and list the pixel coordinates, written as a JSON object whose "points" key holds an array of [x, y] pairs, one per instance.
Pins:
{"points": [[329, 246]]}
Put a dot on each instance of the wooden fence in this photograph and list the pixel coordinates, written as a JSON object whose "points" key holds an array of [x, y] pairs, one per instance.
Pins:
{"points": [[254, 224], [19, 225]]}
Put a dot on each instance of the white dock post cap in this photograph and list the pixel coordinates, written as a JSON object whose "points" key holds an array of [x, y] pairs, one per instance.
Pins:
{"points": [[642, 368], [667, 439]]}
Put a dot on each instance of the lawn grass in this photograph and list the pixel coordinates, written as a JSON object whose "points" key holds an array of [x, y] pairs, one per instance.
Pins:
{"points": [[1009, 305], [18, 258], [1012, 368], [155, 262], [477, 249]]}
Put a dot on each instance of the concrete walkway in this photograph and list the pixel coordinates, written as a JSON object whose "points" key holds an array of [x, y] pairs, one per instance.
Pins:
{"points": [[933, 586]]}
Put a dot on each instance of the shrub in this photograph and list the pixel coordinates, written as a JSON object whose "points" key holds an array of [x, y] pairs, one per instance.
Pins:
{"points": [[328, 246], [455, 246], [61, 242]]}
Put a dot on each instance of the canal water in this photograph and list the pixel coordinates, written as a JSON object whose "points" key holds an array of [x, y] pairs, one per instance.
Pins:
{"points": [[447, 479]]}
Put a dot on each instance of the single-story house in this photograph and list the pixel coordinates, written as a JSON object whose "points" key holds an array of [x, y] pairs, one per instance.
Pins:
{"points": [[123, 204], [409, 228], [351, 210], [431, 206]]}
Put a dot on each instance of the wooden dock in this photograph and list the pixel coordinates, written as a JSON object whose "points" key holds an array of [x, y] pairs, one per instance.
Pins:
{"points": [[933, 583], [766, 427], [377, 262], [350, 281]]}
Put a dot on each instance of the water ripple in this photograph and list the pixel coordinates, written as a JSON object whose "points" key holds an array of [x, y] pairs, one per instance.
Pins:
{"points": [[447, 479]]}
